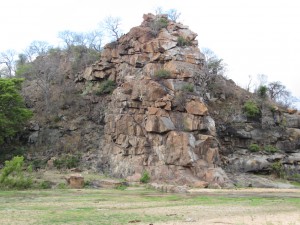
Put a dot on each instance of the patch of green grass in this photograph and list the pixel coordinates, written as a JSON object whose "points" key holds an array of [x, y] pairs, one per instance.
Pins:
{"points": [[295, 183], [44, 185], [121, 187], [112, 206], [62, 186]]}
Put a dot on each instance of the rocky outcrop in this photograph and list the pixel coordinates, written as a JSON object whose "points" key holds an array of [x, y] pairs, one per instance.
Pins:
{"points": [[156, 120], [275, 136]]}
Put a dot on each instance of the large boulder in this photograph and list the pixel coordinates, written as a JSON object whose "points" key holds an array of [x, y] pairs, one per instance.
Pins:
{"points": [[75, 181], [196, 107]]}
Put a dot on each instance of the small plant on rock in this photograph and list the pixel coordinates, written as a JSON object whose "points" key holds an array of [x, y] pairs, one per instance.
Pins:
{"points": [[251, 109], [262, 91], [277, 169], [157, 25], [254, 147], [145, 177], [270, 148], [162, 74], [106, 87], [188, 87], [181, 41]]}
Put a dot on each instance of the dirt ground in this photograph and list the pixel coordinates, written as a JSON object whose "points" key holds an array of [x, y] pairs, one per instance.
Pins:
{"points": [[270, 214], [239, 215]]}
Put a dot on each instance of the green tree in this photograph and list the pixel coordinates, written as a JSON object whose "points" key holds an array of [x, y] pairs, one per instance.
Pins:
{"points": [[13, 113], [13, 174]]}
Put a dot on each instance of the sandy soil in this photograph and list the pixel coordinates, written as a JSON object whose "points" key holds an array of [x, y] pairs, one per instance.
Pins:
{"points": [[238, 215]]}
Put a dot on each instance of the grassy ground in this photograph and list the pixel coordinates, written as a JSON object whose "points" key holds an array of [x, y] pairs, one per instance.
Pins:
{"points": [[138, 205]]}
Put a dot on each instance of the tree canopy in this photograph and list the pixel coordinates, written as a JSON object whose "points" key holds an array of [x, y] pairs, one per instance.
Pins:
{"points": [[13, 113]]}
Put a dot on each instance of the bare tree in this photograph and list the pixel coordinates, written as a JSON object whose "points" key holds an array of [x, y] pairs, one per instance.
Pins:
{"points": [[68, 37], [249, 84], [94, 40], [112, 26], [4, 72], [278, 92], [46, 71], [37, 48], [262, 79], [214, 65], [173, 15], [158, 10], [8, 59]]}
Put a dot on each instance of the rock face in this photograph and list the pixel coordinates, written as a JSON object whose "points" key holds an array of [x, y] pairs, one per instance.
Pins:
{"points": [[156, 120], [276, 135]]}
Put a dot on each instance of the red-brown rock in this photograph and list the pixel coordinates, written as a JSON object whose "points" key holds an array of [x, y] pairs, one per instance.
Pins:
{"points": [[196, 108]]}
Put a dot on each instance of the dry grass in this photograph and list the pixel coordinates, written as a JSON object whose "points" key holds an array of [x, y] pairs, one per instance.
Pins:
{"points": [[138, 205]]}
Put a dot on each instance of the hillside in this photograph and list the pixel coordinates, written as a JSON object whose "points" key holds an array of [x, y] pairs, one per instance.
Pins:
{"points": [[149, 104]]}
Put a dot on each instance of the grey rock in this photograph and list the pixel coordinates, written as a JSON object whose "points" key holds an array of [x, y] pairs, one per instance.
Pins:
{"points": [[33, 138]]}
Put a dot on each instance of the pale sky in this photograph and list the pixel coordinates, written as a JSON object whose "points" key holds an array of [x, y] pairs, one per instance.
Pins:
{"points": [[253, 37]]}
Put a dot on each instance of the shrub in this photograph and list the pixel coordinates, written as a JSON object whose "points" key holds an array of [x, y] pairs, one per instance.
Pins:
{"points": [[251, 109], [179, 101], [66, 162], [106, 87], [62, 186], [162, 74], [24, 70], [163, 22], [262, 91], [270, 148], [254, 147], [38, 163], [181, 41], [145, 177], [12, 175], [188, 87], [157, 25], [87, 89], [82, 57], [277, 169], [45, 184], [121, 187]]}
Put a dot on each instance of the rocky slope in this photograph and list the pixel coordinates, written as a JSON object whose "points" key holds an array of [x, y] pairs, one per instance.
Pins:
{"points": [[266, 145], [162, 117]]}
